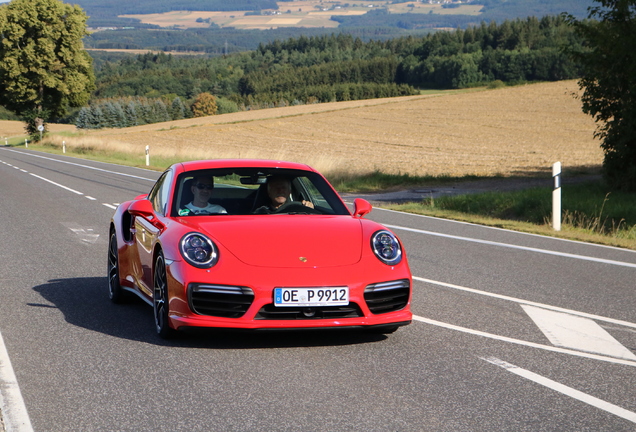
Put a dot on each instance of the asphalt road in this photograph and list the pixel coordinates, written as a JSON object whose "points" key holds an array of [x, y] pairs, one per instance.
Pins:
{"points": [[512, 332]]}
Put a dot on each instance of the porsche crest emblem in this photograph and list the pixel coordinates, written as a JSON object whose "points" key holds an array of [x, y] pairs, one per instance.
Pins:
{"points": [[303, 259]]}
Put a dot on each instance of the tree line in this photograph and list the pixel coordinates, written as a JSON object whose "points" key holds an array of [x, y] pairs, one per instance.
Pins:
{"points": [[339, 67]]}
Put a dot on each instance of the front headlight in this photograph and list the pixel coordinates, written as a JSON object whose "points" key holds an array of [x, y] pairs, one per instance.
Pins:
{"points": [[198, 250], [386, 247]]}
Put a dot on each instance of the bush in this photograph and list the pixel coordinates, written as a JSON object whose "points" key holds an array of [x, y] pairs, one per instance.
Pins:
{"points": [[496, 84]]}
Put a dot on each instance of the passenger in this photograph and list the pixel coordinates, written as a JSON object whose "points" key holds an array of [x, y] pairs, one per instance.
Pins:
{"points": [[202, 188], [278, 191]]}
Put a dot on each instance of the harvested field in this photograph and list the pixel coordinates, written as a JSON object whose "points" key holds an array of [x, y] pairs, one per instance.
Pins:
{"points": [[306, 13], [510, 131]]}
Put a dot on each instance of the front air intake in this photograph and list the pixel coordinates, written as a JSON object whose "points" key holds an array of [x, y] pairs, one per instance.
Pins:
{"points": [[387, 297], [220, 300]]}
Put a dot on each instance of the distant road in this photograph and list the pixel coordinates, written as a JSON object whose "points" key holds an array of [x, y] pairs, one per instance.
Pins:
{"points": [[513, 332]]}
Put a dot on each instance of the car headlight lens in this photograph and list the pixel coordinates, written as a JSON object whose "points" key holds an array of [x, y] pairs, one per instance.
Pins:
{"points": [[198, 250], [386, 247]]}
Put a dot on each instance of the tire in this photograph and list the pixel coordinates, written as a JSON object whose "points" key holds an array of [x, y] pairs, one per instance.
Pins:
{"points": [[115, 292], [160, 299]]}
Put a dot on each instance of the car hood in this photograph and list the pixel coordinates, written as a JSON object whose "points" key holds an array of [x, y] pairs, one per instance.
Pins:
{"points": [[288, 241]]}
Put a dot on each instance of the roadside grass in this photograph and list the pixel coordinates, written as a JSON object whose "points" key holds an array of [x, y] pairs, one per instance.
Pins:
{"points": [[378, 181], [591, 212]]}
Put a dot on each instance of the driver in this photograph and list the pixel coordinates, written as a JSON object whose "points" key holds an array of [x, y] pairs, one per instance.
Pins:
{"points": [[202, 190], [278, 191]]}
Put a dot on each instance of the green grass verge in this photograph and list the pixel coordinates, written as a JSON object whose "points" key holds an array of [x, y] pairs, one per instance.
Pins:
{"points": [[591, 212]]}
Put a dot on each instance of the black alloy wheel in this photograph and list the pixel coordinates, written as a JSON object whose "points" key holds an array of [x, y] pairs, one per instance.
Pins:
{"points": [[115, 291], [160, 298]]}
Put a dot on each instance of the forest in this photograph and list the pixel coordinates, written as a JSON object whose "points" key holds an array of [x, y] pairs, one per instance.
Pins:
{"points": [[336, 67]]}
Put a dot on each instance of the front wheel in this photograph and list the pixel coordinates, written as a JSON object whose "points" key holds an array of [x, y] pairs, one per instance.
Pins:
{"points": [[160, 299], [115, 291]]}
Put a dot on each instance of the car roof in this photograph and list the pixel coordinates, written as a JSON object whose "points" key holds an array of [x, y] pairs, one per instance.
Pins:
{"points": [[241, 163]]}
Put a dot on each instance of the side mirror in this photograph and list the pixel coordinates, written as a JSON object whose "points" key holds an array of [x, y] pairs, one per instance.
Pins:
{"points": [[142, 208], [361, 208]]}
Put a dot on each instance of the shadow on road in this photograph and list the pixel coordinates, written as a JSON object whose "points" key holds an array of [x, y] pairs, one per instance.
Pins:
{"points": [[84, 303]]}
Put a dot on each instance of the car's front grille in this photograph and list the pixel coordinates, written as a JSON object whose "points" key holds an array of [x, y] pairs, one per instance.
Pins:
{"points": [[220, 300], [387, 296], [271, 312]]}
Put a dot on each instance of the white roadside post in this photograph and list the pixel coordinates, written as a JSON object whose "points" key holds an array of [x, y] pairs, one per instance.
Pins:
{"points": [[63, 146], [556, 197], [26, 143], [147, 155]]}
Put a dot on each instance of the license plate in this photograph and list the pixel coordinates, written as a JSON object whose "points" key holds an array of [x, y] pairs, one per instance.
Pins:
{"points": [[311, 297]]}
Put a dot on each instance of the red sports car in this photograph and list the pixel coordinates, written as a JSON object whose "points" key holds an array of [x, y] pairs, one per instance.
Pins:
{"points": [[253, 244]]}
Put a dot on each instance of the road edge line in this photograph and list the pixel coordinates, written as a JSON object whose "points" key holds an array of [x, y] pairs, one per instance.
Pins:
{"points": [[12, 407]]}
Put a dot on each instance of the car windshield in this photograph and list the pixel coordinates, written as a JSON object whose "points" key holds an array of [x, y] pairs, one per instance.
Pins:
{"points": [[263, 191]]}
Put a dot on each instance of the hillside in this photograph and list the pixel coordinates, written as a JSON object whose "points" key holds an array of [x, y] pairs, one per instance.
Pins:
{"points": [[511, 131], [216, 26]]}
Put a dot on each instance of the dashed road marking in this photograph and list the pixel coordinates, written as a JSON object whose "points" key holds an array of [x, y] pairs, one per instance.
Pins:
{"points": [[57, 184], [111, 206]]}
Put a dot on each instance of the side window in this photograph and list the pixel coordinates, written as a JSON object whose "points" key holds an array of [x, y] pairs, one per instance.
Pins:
{"points": [[309, 192], [160, 193]]}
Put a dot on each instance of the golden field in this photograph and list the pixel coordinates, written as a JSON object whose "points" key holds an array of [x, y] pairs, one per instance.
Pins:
{"points": [[510, 131], [305, 13]]}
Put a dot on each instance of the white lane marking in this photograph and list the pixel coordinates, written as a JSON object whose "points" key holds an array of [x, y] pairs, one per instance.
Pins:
{"points": [[67, 188], [24, 171], [568, 391], [531, 303], [57, 184], [508, 230], [525, 343], [13, 410], [511, 246], [110, 206], [85, 166], [583, 334]]}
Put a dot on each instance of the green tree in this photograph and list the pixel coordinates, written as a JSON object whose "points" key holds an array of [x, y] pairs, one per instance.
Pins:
{"points": [[609, 84], [204, 105], [44, 68]]}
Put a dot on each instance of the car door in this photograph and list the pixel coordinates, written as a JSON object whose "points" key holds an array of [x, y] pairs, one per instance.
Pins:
{"points": [[147, 231]]}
